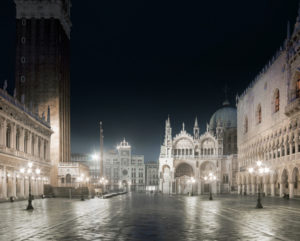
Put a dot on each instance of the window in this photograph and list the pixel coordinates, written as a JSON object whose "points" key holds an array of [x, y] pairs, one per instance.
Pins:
{"points": [[298, 89], [23, 60], [277, 100], [258, 114], [25, 142], [39, 148], [22, 79], [8, 136], [246, 125], [32, 145], [23, 40], [18, 140], [23, 22]]}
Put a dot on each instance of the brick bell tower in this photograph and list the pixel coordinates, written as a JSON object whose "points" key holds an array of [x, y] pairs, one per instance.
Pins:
{"points": [[43, 68]]}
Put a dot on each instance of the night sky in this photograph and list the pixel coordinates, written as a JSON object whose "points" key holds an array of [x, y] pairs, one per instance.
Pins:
{"points": [[135, 62]]}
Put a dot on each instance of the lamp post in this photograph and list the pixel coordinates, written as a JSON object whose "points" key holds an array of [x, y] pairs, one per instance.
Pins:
{"points": [[192, 181], [28, 170], [81, 180], [103, 182], [260, 169], [210, 178]]}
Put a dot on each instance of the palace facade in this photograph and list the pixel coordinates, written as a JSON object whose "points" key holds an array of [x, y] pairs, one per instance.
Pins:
{"points": [[269, 123], [186, 157]]}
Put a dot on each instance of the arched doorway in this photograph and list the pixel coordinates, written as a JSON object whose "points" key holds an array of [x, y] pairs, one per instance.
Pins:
{"points": [[295, 180], [183, 174], [124, 186], [284, 187], [68, 179], [206, 168]]}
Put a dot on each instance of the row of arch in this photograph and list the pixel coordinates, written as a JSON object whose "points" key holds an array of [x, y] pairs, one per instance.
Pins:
{"points": [[280, 143], [280, 182], [15, 137]]}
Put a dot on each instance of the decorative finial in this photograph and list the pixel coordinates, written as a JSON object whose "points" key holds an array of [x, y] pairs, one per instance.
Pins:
{"points": [[207, 127], [183, 126], [196, 122], [288, 30], [48, 115], [226, 102], [5, 85]]}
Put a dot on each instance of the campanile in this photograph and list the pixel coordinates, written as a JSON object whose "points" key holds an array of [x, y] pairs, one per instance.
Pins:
{"points": [[43, 68]]}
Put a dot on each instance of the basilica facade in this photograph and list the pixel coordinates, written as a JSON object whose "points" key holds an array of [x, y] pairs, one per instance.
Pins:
{"points": [[269, 124], [186, 160]]}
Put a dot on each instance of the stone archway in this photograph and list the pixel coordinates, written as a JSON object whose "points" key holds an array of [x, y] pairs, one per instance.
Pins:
{"points": [[206, 168], [284, 184], [183, 174], [295, 182]]}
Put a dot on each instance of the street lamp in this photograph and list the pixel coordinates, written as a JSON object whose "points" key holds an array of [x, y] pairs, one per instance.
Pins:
{"points": [[28, 170], [210, 178], [260, 169], [192, 181], [103, 182], [80, 180]]}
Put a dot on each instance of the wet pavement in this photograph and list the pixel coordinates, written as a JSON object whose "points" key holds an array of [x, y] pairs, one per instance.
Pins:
{"points": [[152, 217]]}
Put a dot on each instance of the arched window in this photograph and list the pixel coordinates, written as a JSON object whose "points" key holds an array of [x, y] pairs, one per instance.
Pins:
{"points": [[298, 89], [8, 136], [32, 145], [258, 114], [39, 148], [246, 125], [277, 100], [18, 140], [25, 142], [68, 178]]}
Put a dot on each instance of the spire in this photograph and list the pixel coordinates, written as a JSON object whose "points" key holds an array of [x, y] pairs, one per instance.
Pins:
{"points": [[168, 123], [288, 30], [226, 102], [196, 129], [196, 122], [183, 126]]}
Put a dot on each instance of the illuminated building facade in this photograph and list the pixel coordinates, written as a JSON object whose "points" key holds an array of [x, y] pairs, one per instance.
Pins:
{"points": [[269, 123], [187, 156]]}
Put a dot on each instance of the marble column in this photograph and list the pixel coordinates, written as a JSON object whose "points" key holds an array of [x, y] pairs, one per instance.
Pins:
{"points": [[273, 189], [291, 189], [281, 190]]}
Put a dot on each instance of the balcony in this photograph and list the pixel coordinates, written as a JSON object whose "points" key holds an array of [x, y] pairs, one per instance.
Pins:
{"points": [[294, 105]]}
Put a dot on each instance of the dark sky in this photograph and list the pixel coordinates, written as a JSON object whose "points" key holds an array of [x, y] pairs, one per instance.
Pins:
{"points": [[135, 62]]}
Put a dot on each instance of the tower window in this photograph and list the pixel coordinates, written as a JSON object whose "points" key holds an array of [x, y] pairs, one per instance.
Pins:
{"points": [[22, 79], [23, 22], [23, 60], [23, 40]]}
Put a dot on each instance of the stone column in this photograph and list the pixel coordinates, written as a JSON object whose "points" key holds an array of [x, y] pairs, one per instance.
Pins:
{"points": [[29, 143], [296, 142], [273, 189], [4, 182], [248, 188], [266, 188], [281, 190], [21, 139], [14, 184], [4, 133], [253, 189], [13, 135], [42, 151], [239, 189], [291, 189]]}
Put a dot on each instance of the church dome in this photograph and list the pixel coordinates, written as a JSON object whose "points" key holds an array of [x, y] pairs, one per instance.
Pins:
{"points": [[227, 116]]}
